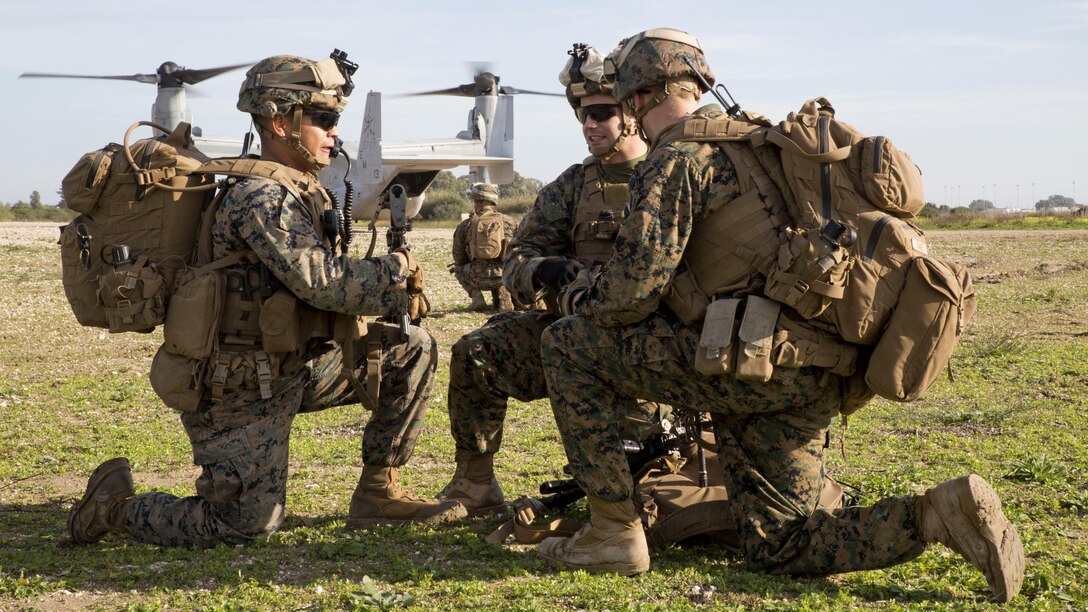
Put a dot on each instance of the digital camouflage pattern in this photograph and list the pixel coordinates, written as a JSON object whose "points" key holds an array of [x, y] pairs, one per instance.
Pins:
{"points": [[241, 443], [262, 216], [650, 57], [481, 378], [255, 98], [547, 228], [770, 435]]}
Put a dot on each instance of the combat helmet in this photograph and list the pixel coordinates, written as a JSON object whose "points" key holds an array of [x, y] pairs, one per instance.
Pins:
{"points": [[584, 74], [588, 73], [287, 84], [660, 55], [484, 191]]}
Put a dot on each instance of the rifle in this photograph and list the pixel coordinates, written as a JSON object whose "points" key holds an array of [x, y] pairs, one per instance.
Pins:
{"points": [[396, 201], [560, 493]]}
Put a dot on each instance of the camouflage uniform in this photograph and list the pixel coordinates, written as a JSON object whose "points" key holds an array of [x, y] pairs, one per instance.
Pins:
{"points": [[481, 380], [624, 342], [241, 443], [479, 274]]}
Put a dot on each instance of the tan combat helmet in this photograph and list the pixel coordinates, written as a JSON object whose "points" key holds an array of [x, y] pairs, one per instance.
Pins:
{"points": [[588, 73], [288, 85], [662, 55], [484, 192]]}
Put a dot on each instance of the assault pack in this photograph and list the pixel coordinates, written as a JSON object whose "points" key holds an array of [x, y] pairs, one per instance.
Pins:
{"points": [[137, 257], [487, 236], [824, 216], [680, 493]]}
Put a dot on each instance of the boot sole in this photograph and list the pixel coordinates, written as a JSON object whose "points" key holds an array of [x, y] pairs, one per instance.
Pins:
{"points": [[487, 510], [453, 514], [97, 476], [986, 537], [620, 569]]}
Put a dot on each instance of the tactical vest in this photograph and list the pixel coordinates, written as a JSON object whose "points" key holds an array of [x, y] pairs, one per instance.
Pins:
{"points": [[597, 215], [231, 317]]}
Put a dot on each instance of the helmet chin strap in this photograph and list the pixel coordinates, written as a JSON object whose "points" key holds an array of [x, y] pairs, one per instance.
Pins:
{"points": [[630, 128], [293, 140]]}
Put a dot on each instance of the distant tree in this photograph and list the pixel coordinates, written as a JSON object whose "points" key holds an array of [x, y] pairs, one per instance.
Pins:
{"points": [[60, 199], [35, 199], [960, 210], [520, 187], [1055, 201], [446, 181], [980, 205], [929, 210]]}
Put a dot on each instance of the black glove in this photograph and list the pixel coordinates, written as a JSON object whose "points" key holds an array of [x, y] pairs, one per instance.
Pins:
{"points": [[556, 273]]}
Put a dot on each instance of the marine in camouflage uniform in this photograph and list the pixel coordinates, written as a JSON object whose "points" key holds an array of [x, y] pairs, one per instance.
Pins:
{"points": [[622, 340], [240, 440], [560, 231], [478, 275]]}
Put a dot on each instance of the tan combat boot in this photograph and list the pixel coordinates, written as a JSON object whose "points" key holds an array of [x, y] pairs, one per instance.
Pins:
{"points": [[474, 485], [379, 500], [102, 508], [965, 515], [612, 541], [478, 301]]}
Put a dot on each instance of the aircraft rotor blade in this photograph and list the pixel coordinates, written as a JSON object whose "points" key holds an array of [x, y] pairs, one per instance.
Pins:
{"points": [[467, 91], [194, 76], [513, 90], [140, 78]]}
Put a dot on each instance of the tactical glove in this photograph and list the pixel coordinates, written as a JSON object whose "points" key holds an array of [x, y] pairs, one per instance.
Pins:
{"points": [[418, 304], [556, 273]]}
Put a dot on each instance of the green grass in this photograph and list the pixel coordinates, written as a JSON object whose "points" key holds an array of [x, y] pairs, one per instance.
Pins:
{"points": [[71, 397]]}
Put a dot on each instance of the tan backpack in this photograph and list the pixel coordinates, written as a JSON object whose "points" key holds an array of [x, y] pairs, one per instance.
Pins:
{"points": [[487, 236], [140, 211], [680, 498], [846, 258]]}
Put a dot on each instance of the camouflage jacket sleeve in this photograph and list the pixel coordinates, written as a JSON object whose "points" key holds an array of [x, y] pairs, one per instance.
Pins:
{"points": [[261, 216], [460, 243], [669, 193], [545, 231]]}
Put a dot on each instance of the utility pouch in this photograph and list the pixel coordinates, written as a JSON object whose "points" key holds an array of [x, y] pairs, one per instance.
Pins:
{"points": [[685, 298], [132, 296], [280, 323], [809, 273], [178, 381], [715, 354], [85, 182], [756, 337], [937, 303], [192, 322]]}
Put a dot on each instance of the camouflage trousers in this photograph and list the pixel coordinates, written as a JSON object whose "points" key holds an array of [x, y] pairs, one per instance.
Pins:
{"points": [[770, 437], [480, 275], [241, 443], [502, 360]]}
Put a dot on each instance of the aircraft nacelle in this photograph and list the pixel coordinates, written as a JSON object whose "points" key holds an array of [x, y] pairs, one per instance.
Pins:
{"points": [[486, 147]]}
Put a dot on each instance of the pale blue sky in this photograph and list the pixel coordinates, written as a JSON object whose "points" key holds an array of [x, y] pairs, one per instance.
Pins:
{"points": [[984, 95]]}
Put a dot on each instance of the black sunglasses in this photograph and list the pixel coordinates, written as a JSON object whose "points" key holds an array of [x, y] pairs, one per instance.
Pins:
{"points": [[597, 112], [323, 119]]}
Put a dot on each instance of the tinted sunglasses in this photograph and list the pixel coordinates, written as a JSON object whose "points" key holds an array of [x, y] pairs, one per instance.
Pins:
{"points": [[324, 119], [597, 112]]}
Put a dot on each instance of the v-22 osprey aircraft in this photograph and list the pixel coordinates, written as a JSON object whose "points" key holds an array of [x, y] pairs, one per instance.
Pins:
{"points": [[486, 145]]}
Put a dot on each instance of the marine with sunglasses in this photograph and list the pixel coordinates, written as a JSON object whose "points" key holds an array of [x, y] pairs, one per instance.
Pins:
{"points": [[290, 339], [571, 225]]}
